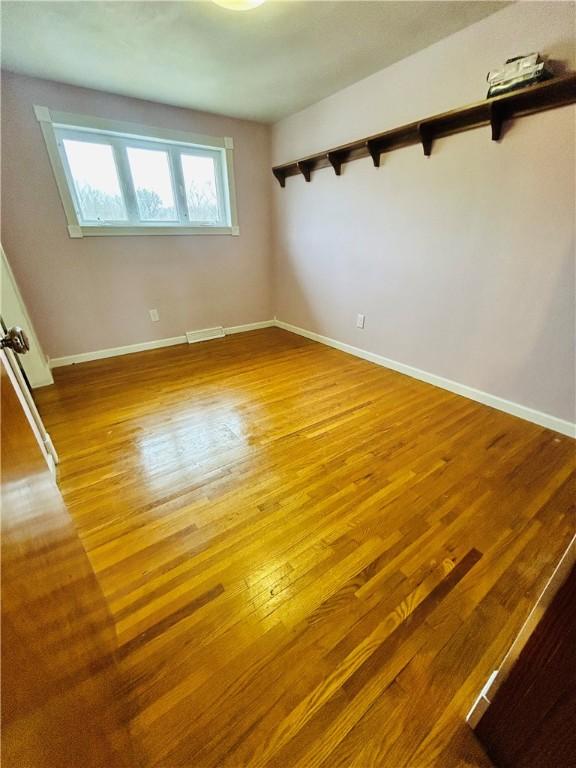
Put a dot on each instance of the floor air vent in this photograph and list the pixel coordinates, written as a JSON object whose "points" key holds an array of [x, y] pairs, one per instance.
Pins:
{"points": [[205, 334]]}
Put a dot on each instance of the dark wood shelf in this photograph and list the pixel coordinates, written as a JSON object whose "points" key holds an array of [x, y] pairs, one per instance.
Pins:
{"points": [[556, 92]]}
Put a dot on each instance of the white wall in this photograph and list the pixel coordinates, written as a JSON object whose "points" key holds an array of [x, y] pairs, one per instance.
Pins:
{"points": [[462, 262]]}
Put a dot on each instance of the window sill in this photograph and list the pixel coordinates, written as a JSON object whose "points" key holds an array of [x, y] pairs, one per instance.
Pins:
{"points": [[75, 230]]}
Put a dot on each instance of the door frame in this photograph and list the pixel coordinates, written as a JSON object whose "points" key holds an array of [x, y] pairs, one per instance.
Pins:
{"points": [[29, 408], [15, 312]]}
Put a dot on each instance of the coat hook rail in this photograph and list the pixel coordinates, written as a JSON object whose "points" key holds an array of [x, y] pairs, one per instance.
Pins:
{"points": [[557, 92]]}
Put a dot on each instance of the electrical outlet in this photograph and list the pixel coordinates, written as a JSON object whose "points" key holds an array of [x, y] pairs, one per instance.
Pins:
{"points": [[154, 315], [360, 320]]}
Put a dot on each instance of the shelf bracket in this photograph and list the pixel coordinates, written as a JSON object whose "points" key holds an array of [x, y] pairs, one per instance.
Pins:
{"points": [[374, 151], [280, 176], [305, 167], [426, 137], [496, 120], [335, 161]]}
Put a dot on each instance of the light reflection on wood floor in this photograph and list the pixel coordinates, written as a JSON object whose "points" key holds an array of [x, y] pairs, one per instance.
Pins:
{"points": [[311, 560]]}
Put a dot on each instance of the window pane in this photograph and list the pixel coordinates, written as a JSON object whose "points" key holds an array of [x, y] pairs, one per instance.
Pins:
{"points": [[96, 181], [201, 191], [153, 185]]}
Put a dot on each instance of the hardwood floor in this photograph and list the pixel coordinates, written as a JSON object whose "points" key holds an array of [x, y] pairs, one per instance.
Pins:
{"points": [[311, 561]]}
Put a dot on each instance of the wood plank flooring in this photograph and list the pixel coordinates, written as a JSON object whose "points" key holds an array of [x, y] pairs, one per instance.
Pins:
{"points": [[311, 561]]}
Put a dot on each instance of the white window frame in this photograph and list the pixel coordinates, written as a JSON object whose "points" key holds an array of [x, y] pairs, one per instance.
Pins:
{"points": [[57, 125]]}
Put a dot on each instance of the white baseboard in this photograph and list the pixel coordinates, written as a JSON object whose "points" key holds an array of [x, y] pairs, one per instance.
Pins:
{"points": [[100, 354], [250, 327], [515, 409]]}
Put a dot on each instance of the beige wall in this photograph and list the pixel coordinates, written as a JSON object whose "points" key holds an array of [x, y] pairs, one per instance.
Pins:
{"points": [[94, 293], [463, 263]]}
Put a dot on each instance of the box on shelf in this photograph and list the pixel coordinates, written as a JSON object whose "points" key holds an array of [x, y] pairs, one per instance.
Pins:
{"points": [[517, 72]]}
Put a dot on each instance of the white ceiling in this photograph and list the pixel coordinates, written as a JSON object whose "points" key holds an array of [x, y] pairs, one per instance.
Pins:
{"points": [[261, 64]]}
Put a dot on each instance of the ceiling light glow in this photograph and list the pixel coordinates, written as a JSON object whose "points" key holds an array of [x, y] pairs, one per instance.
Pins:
{"points": [[239, 5]]}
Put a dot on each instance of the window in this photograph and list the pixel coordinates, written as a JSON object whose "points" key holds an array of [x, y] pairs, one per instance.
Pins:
{"points": [[96, 185], [150, 169], [200, 186], [124, 179]]}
